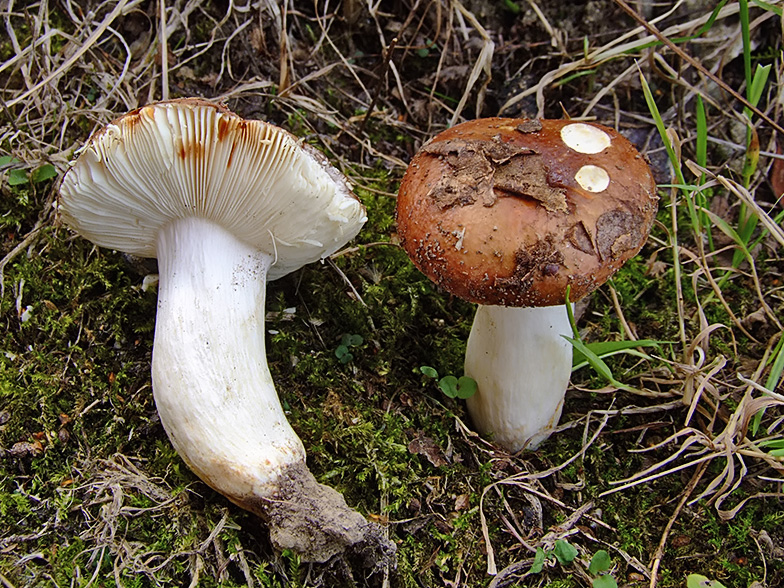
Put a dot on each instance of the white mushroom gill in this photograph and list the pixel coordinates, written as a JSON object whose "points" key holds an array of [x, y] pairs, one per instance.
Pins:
{"points": [[166, 161], [521, 364]]}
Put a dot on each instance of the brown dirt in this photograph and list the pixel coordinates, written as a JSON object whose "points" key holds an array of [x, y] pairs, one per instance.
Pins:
{"points": [[314, 521]]}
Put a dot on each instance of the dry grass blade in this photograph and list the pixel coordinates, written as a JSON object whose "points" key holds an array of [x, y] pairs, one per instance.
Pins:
{"points": [[481, 66], [744, 196], [121, 7], [616, 48], [657, 558]]}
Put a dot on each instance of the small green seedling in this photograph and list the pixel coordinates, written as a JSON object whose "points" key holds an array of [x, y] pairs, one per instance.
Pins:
{"points": [[454, 387], [565, 553], [512, 6], [599, 568], [699, 581], [342, 352], [425, 51], [562, 551], [18, 176]]}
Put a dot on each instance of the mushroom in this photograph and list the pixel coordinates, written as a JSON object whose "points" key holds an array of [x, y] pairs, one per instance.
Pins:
{"points": [[224, 204], [509, 213]]}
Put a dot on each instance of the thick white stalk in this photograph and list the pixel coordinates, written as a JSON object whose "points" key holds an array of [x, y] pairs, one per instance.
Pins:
{"points": [[211, 383], [219, 406], [521, 364]]}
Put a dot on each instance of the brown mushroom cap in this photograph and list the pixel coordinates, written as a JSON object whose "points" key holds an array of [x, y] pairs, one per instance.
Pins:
{"points": [[512, 211]]}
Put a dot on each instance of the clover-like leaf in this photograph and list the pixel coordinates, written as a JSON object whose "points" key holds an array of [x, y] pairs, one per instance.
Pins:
{"points": [[448, 385], [17, 177], [604, 582], [600, 562], [700, 581], [538, 564], [466, 387], [43, 173], [564, 551]]}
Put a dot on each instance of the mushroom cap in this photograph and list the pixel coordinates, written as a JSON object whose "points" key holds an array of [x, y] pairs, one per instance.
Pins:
{"points": [[512, 211], [190, 157]]}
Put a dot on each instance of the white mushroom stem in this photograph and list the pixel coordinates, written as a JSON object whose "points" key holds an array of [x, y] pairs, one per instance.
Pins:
{"points": [[521, 364], [211, 383], [218, 403]]}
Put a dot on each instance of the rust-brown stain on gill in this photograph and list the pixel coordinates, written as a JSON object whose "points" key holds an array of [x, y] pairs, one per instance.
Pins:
{"points": [[193, 149], [134, 118], [223, 127], [231, 154]]}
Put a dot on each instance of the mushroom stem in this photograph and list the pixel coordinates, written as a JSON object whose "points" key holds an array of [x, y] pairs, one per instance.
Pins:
{"points": [[211, 382], [521, 364], [217, 401]]}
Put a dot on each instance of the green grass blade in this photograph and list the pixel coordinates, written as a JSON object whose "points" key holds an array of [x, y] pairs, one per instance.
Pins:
{"points": [[676, 164], [754, 93], [596, 363], [657, 119], [725, 228], [608, 348], [769, 7], [701, 31], [570, 314], [774, 377], [743, 14], [701, 153]]}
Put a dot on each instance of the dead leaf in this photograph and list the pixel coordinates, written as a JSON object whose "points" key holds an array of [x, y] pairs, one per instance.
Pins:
{"points": [[463, 502], [25, 449], [776, 175], [422, 445]]}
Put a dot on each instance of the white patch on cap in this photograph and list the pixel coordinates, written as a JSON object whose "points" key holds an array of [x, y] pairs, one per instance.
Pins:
{"points": [[585, 138], [592, 178]]}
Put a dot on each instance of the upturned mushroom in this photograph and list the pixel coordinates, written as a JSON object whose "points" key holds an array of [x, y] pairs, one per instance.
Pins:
{"points": [[225, 204], [508, 213]]}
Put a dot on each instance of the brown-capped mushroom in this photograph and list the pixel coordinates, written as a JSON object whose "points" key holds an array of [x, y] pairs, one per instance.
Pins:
{"points": [[508, 213]]}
